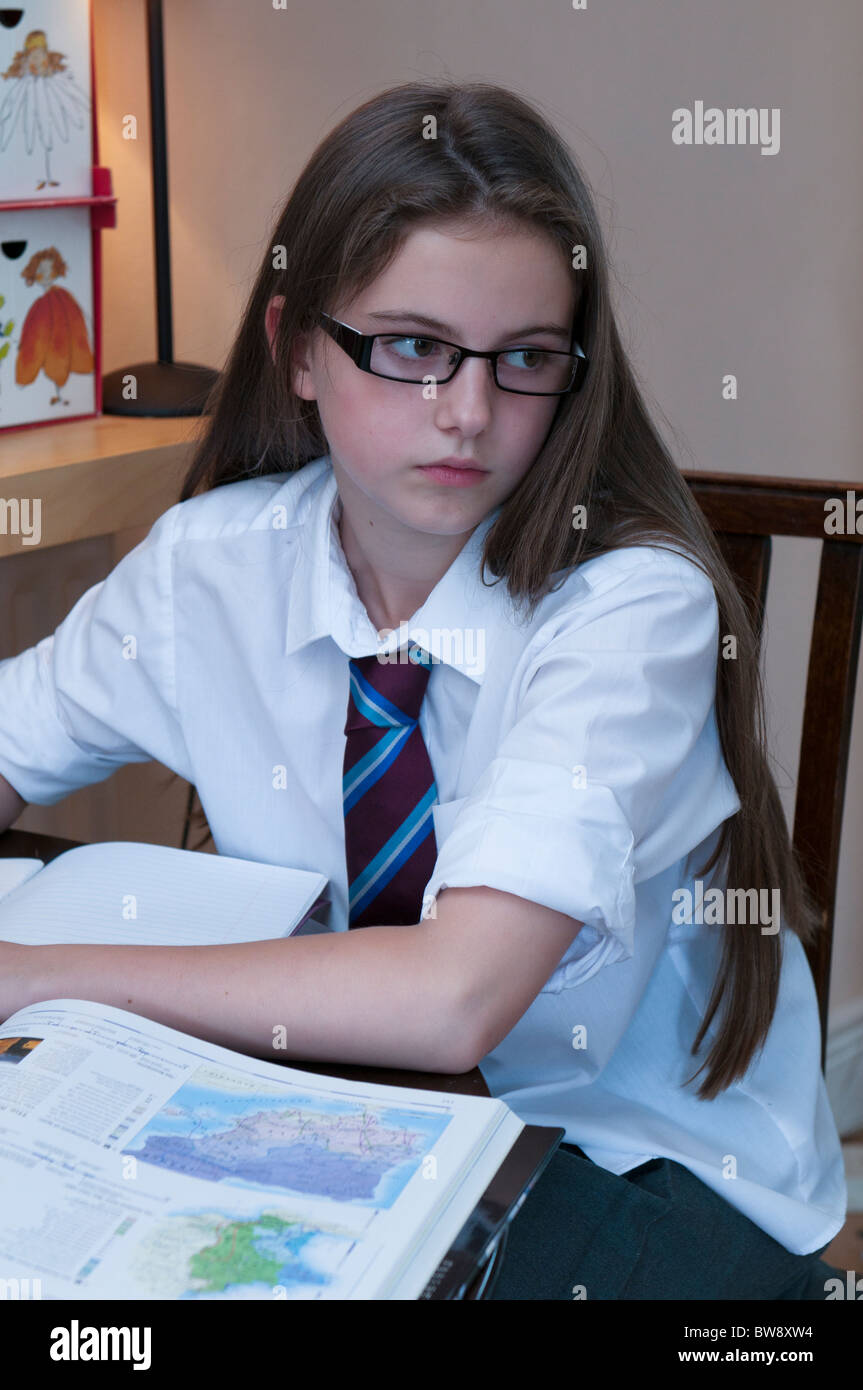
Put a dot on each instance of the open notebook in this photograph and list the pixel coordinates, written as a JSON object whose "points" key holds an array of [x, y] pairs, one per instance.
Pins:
{"points": [[127, 893], [141, 1162]]}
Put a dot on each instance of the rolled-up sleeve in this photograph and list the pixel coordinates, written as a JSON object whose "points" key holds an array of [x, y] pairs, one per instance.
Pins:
{"points": [[612, 769], [99, 692]]}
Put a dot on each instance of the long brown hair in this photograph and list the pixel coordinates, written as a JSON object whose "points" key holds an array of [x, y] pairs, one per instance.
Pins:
{"points": [[490, 156]]}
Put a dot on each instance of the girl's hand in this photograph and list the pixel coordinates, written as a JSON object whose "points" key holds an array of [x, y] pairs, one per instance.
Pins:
{"points": [[17, 977]]}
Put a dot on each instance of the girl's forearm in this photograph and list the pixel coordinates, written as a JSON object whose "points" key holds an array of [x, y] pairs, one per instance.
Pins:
{"points": [[372, 996]]}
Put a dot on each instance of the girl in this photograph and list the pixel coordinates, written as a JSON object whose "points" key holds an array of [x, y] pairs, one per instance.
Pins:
{"points": [[428, 384]]}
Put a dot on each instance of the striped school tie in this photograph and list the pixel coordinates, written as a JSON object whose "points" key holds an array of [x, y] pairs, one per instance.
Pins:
{"points": [[388, 790]]}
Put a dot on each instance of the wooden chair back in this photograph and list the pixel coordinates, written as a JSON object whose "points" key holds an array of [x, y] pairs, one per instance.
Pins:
{"points": [[744, 513]]}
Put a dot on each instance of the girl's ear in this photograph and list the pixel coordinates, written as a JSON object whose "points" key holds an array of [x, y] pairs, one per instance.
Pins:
{"points": [[300, 365], [271, 320]]}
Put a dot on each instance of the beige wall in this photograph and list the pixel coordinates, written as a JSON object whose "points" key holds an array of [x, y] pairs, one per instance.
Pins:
{"points": [[728, 260]]}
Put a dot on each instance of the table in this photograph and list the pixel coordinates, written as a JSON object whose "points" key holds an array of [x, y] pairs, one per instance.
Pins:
{"points": [[96, 476]]}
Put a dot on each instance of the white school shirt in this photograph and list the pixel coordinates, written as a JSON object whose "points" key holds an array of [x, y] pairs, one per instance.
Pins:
{"points": [[577, 765]]}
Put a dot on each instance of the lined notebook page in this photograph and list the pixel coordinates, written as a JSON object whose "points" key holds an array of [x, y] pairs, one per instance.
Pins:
{"points": [[123, 892], [15, 871]]}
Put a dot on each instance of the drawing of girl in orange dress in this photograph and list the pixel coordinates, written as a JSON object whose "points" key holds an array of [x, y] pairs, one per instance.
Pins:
{"points": [[54, 335]]}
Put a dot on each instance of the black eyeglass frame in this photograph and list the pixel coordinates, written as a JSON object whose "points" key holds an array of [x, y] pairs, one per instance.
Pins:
{"points": [[359, 346]]}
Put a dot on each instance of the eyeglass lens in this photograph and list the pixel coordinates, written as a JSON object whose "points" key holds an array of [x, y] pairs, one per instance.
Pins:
{"points": [[521, 369]]}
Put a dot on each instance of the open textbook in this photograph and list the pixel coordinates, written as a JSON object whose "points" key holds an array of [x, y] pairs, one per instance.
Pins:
{"points": [[138, 1162]]}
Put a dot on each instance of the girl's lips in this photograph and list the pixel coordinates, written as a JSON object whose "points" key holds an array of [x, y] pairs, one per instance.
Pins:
{"points": [[455, 477]]}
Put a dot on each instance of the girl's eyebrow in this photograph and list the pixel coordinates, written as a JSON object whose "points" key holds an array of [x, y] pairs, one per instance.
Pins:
{"points": [[410, 316]]}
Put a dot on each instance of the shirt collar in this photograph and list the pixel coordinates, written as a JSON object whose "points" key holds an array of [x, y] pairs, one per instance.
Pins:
{"points": [[456, 624]]}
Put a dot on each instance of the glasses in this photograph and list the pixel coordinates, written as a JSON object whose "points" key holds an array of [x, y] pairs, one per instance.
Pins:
{"points": [[526, 371]]}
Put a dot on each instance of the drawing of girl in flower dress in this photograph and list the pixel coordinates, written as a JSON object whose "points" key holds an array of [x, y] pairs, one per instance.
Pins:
{"points": [[44, 99]]}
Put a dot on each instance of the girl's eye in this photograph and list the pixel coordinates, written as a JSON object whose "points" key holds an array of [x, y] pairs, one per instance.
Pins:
{"points": [[397, 346], [537, 354]]}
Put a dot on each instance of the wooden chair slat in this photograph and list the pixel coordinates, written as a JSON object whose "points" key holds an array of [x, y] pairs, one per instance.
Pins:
{"points": [[826, 739], [748, 558]]}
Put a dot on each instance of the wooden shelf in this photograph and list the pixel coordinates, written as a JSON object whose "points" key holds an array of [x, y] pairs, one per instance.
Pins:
{"points": [[97, 476]]}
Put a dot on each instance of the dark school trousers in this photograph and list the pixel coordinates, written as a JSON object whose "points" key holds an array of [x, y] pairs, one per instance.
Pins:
{"points": [[656, 1232]]}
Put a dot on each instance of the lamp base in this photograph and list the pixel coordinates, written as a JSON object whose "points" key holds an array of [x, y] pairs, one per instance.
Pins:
{"points": [[158, 388]]}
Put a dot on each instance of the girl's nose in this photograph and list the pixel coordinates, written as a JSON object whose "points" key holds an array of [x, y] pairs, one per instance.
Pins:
{"points": [[467, 398]]}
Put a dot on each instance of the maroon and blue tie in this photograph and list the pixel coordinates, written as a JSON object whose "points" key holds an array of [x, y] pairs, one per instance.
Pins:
{"points": [[388, 791]]}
